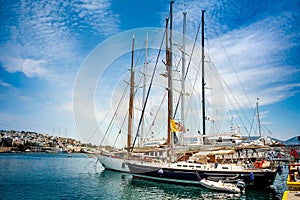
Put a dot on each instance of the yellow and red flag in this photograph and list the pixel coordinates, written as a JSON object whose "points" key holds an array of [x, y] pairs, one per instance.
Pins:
{"points": [[176, 126]]}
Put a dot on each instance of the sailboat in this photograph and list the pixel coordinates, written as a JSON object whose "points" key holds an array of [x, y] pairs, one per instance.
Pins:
{"points": [[212, 162], [178, 164]]}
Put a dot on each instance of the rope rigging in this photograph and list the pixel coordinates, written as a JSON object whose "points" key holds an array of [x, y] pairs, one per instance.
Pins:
{"points": [[156, 113], [148, 93], [114, 116], [240, 104], [187, 70], [117, 109], [230, 62]]}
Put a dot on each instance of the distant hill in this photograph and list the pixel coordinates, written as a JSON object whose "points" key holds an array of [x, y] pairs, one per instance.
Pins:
{"points": [[293, 141], [290, 142]]}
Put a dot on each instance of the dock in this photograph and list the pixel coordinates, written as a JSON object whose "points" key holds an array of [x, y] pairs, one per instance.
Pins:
{"points": [[291, 195], [293, 183]]}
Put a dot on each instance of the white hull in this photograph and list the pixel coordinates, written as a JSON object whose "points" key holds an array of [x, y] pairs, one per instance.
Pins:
{"points": [[220, 186], [113, 163]]}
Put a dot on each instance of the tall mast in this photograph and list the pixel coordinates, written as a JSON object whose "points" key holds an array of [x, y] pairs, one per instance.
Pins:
{"points": [[258, 119], [183, 72], [203, 82], [144, 86], [170, 84], [168, 68], [129, 136], [259, 125]]}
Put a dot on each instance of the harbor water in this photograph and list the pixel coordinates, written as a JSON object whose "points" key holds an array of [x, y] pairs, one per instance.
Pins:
{"points": [[57, 176]]}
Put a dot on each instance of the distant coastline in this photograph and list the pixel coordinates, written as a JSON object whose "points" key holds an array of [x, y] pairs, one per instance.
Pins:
{"points": [[25, 141]]}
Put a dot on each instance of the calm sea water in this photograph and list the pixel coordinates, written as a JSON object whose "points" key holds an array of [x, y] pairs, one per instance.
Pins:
{"points": [[56, 176]]}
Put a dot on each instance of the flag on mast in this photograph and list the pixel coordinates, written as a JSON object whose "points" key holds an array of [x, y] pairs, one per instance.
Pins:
{"points": [[176, 126], [173, 126]]}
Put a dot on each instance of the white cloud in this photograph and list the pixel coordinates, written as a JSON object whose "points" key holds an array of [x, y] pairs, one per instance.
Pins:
{"points": [[33, 67], [30, 67], [68, 107], [97, 15], [256, 58], [5, 84], [44, 40]]}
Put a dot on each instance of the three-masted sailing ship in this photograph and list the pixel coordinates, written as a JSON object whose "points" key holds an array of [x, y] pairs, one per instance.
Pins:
{"points": [[179, 163]]}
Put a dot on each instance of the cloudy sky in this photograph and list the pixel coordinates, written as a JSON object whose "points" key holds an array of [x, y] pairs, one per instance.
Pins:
{"points": [[45, 46]]}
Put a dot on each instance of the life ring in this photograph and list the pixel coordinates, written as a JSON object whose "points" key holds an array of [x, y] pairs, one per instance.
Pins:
{"points": [[218, 159], [258, 164]]}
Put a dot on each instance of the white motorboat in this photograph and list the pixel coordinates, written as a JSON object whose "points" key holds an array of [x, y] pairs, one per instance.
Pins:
{"points": [[220, 185]]}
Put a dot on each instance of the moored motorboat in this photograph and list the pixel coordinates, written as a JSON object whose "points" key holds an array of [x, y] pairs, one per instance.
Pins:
{"points": [[239, 187]]}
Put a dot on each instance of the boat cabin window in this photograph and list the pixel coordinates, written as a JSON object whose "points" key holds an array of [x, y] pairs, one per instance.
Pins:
{"points": [[184, 165], [179, 165], [191, 166], [198, 166], [224, 167]]}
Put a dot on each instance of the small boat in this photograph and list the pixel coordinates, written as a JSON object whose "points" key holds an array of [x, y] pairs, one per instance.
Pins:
{"points": [[220, 185]]}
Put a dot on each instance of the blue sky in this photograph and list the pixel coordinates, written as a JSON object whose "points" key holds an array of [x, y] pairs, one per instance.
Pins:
{"points": [[44, 45]]}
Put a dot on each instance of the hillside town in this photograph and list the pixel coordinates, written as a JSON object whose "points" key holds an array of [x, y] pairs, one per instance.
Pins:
{"points": [[21, 141]]}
